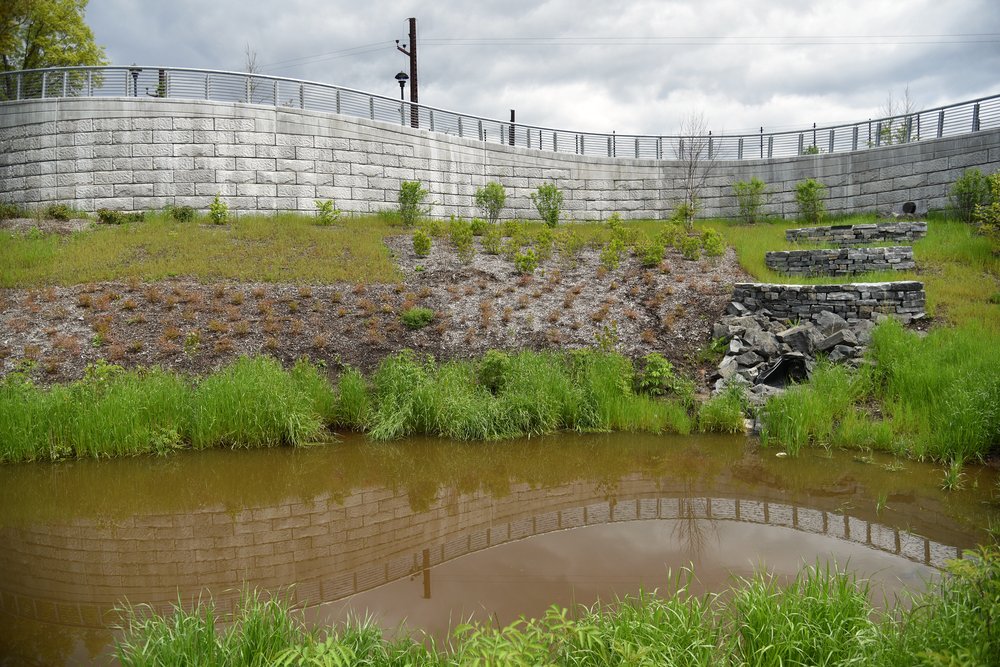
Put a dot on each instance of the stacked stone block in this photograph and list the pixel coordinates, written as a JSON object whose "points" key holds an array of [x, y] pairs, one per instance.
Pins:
{"points": [[841, 236], [905, 300], [840, 262]]}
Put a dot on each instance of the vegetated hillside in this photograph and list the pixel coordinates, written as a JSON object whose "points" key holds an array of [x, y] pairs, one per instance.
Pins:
{"points": [[198, 322]]}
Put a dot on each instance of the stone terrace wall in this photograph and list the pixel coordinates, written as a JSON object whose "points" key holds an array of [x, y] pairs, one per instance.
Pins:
{"points": [[142, 154], [859, 301], [842, 262], [849, 235]]}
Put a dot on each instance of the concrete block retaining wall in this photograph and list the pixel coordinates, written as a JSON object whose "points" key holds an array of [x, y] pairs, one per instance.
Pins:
{"points": [[841, 262], [857, 301], [849, 235], [141, 154]]}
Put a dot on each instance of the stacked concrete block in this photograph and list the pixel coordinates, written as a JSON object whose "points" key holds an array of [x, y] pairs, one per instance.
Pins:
{"points": [[840, 262]]}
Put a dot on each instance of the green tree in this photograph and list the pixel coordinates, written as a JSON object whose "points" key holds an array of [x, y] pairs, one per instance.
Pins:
{"points": [[46, 33]]}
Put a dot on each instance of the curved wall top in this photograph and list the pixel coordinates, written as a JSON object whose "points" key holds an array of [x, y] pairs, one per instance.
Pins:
{"points": [[139, 154]]}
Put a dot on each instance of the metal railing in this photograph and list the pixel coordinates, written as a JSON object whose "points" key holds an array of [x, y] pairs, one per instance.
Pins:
{"points": [[217, 85]]}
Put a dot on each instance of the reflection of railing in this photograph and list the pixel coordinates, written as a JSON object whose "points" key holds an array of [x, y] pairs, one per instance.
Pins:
{"points": [[199, 84], [328, 587]]}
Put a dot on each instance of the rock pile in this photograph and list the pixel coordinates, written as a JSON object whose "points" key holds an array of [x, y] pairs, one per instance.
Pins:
{"points": [[765, 354]]}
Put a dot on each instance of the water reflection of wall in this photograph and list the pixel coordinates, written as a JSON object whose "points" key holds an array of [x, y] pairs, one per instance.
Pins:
{"points": [[72, 574]]}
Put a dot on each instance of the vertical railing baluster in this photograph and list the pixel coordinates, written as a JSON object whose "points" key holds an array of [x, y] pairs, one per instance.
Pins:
{"points": [[338, 100], [770, 146], [65, 82], [482, 135], [830, 150], [208, 86], [940, 127], [302, 96], [975, 117], [371, 107], [431, 113], [854, 139], [459, 127], [739, 150], [45, 75], [248, 92], [275, 92], [20, 78]]}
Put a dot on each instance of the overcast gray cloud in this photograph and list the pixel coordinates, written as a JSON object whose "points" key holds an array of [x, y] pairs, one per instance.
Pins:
{"points": [[597, 65]]}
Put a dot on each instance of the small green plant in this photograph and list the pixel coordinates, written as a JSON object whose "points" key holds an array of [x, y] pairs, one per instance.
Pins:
{"points": [[544, 241], [972, 189], [412, 196], [954, 476], [686, 212], [811, 150], [671, 235], [417, 317], [750, 198], [491, 200], [109, 217], [690, 247], [724, 413], [809, 195], [10, 210], [657, 376], [180, 213], [58, 212], [526, 262], [460, 234], [492, 240], [987, 216], [218, 211], [548, 201], [607, 337], [479, 226], [611, 254], [650, 252], [712, 242], [326, 212], [570, 243], [421, 243]]}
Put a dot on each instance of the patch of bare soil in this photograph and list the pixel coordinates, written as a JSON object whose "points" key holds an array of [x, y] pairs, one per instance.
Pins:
{"points": [[46, 226], [193, 327]]}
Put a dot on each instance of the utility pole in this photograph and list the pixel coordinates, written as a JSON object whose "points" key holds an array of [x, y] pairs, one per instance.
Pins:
{"points": [[411, 51]]}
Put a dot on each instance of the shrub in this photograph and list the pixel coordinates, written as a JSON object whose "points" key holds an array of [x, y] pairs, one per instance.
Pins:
{"points": [[526, 262], [544, 240], [417, 317], [671, 235], [750, 198], [460, 233], [548, 200], [9, 210], [326, 213], [491, 199], [492, 240], [611, 254], [570, 243], [58, 212], [809, 195], [988, 216], [972, 189], [811, 150], [479, 226], [650, 252], [421, 243], [218, 211], [180, 213], [411, 202], [109, 217], [690, 247], [657, 376], [711, 241], [685, 213]]}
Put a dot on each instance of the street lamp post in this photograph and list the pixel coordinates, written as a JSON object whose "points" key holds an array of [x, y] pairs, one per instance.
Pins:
{"points": [[402, 77], [134, 71]]}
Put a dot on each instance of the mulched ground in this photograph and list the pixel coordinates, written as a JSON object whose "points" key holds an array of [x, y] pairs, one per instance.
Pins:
{"points": [[193, 327]]}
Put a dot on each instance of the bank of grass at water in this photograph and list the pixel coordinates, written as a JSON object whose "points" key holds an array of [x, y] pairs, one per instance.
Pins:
{"points": [[254, 402], [823, 617], [255, 248], [934, 397]]}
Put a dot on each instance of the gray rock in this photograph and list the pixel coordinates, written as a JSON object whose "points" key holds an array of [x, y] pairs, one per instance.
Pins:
{"points": [[736, 308], [728, 367], [720, 330], [764, 343], [844, 337], [749, 358], [738, 346], [829, 323], [841, 352], [798, 339]]}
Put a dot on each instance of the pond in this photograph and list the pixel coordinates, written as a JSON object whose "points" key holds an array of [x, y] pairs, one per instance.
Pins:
{"points": [[429, 533]]}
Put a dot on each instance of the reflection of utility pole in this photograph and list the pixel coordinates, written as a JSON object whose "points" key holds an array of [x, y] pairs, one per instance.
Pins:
{"points": [[427, 572], [411, 51]]}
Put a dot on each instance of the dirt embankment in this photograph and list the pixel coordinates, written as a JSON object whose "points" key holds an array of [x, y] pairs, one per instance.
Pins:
{"points": [[193, 327]]}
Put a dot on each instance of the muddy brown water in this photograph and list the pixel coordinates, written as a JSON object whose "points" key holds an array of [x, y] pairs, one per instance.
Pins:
{"points": [[430, 533]]}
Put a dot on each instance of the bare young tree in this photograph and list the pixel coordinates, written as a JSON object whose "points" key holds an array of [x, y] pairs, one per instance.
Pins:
{"points": [[696, 153], [250, 66], [898, 129]]}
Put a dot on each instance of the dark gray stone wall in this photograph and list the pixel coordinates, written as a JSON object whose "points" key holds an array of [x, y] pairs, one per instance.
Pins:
{"points": [[840, 262], [851, 235], [856, 301]]}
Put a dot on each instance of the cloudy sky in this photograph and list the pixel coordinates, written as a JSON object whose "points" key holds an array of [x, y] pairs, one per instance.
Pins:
{"points": [[639, 66]]}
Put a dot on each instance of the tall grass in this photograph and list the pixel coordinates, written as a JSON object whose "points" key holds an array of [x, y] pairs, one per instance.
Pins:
{"points": [[252, 402], [939, 398], [823, 617]]}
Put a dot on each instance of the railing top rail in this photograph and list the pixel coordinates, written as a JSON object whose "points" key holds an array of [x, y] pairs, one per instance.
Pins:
{"points": [[969, 104]]}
